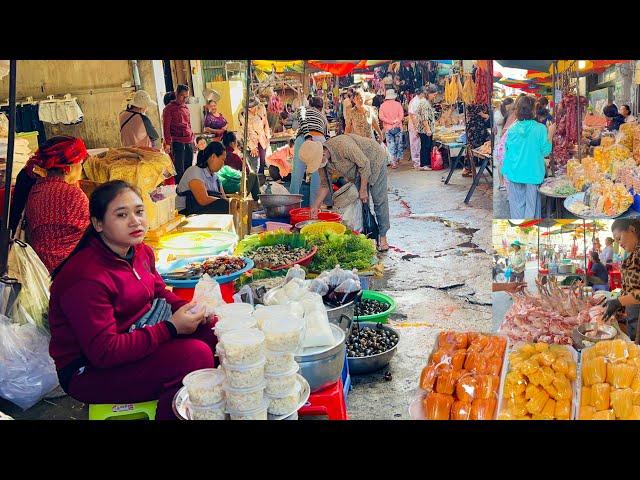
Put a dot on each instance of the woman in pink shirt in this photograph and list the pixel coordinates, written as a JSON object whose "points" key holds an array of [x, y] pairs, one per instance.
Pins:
{"points": [[392, 114]]}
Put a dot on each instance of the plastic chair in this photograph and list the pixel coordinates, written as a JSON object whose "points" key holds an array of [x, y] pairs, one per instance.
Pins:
{"points": [[123, 411], [329, 401]]}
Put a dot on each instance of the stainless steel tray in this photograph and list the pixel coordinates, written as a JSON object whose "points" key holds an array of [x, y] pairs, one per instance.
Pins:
{"points": [[181, 401]]}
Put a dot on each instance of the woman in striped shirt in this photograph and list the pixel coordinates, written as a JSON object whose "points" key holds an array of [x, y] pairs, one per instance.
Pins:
{"points": [[312, 125]]}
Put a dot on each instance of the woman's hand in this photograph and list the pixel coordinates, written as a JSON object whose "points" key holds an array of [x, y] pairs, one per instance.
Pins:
{"points": [[613, 306], [313, 214], [364, 195], [185, 321], [551, 129], [167, 148], [254, 152]]}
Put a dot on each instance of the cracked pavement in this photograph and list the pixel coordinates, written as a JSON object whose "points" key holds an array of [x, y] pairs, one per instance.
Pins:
{"points": [[438, 271]]}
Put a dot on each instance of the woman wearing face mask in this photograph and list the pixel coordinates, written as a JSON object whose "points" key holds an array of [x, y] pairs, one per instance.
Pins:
{"points": [[214, 122], [117, 334], [56, 210], [626, 232], [200, 189]]}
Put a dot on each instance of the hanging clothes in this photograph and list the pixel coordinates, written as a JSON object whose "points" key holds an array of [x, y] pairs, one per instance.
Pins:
{"points": [[28, 120]]}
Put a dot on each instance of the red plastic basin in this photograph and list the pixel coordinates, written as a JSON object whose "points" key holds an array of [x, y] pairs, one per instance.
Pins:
{"points": [[303, 214], [227, 290]]}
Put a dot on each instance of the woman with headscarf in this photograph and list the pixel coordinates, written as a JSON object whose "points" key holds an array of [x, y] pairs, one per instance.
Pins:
{"points": [[57, 210]]}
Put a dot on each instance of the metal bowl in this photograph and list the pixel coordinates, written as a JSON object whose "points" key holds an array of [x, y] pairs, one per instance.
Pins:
{"points": [[280, 200], [322, 366], [581, 340], [278, 211], [365, 365]]}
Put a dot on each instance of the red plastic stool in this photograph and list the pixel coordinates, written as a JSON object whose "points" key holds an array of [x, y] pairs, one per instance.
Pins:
{"points": [[227, 290], [328, 401], [615, 279]]}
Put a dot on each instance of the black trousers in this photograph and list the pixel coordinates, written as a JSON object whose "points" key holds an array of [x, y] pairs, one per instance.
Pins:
{"points": [[182, 154], [426, 142]]}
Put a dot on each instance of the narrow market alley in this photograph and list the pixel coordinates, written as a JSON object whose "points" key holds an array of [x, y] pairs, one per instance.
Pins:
{"points": [[438, 271]]}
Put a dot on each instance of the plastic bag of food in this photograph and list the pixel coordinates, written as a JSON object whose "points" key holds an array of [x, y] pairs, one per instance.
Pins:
{"points": [[336, 276], [296, 272], [244, 295], [207, 295], [294, 289], [319, 286], [347, 290], [27, 372], [318, 332]]}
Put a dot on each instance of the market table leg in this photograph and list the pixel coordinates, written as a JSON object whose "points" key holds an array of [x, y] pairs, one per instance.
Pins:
{"points": [[454, 164], [476, 179]]}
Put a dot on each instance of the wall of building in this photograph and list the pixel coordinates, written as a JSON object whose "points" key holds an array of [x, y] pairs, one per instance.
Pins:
{"points": [[40, 78]]}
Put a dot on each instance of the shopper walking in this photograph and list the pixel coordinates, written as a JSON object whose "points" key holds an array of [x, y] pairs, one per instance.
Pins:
{"points": [[392, 115], [414, 137], [136, 129], [178, 136], [363, 120], [425, 125], [258, 134], [313, 125], [527, 143], [517, 262]]}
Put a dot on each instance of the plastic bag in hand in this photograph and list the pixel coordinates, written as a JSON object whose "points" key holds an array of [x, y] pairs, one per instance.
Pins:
{"points": [[24, 264], [207, 294], [319, 286], [27, 372], [295, 272], [351, 216]]}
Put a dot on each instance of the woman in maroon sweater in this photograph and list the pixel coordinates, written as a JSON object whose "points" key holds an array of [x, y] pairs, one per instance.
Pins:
{"points": [[101, 296]]}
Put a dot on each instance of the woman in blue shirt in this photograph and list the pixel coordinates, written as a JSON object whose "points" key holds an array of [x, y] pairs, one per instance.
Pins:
{"points": [[527, 143], [200, 190]]}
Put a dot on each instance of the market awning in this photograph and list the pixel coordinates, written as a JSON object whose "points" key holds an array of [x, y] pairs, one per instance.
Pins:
{"points": [[280, 66], [537, 65], [344, 67]]}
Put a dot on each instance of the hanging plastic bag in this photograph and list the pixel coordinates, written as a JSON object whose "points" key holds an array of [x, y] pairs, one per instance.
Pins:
{"points": [[207, 295], [351, 216], [318, 332], [437, 162], [369, 224], [295, 272], [27, 372], [24, 264]]}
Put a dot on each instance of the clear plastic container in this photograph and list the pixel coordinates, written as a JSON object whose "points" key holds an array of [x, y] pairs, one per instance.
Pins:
{"points": [[279, 362], [284, 334], [244, 376], [233, 311], [243, 347], [286, 403], [281, 383], [244, 399], [217, 411], [270, 311], [205, 386], [226, 325], [259, 413]]}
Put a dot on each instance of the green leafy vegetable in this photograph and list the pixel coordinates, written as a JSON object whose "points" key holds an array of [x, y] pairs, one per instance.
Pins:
{"points": [[251, 242], [347, 250]]}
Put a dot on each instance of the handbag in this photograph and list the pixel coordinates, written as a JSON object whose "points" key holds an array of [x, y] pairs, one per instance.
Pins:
{"points": [[160, 312], [437, 162]]}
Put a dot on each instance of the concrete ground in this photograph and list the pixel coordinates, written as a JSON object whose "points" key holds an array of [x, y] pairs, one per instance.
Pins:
{"points": [[438, 271], [500, 202]]}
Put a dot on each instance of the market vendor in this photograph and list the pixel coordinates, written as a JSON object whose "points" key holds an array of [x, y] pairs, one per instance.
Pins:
{"points": [[359, 160], [214, 121], [200, 190], [136, 129], [233, 160], [517, 262], [117, 334], [56, 210], [614, 121], [598, 277], [626, 231], [625, 111]]}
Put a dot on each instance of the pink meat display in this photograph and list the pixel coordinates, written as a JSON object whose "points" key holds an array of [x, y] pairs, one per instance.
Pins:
{"points": [[549, 316]]}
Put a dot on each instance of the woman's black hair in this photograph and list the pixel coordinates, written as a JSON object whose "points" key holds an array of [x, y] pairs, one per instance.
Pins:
{"points": [[168, 98], [316, 102], [199, 138], [524, 108], [610, 111], [214, 148], [595, 257], [98, 205], [182, 88], [624, 224], [228, 138], [627, 107], [503, 107]]}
